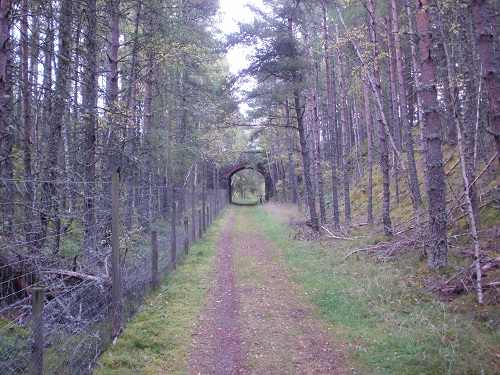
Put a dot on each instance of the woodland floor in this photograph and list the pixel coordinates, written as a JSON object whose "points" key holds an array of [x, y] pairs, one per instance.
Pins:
{"points": [[255, 319]]}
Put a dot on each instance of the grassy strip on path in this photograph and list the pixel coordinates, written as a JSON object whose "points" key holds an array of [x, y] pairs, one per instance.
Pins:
{"points": [[158, 339], [392, 324]]}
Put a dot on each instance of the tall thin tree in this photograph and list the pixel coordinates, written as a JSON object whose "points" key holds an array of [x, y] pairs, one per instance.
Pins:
{"points": [[436, 184]]}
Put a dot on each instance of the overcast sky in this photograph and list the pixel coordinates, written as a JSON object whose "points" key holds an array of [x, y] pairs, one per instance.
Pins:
{"points": [[232, 12]]}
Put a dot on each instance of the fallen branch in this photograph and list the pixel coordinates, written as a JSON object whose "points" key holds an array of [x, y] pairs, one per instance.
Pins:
{"points": [[464, 281], [372, 248], [331, 235], [492, 285], [76, 275]]}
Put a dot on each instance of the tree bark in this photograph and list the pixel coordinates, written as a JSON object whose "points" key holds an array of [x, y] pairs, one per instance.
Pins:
{"points": [[5, 9], [416, 78], [408, 139], [331, 120], [315, 140], [436, 189], [306, 161], [26, 123], [53, 134], [111, 142], [369, 126], [344, 130], [6, 126], [392, 102], [383, 133], [132, 128], [146, 199], [89, 112], [292, 174], [304, 149], [489, 54]]}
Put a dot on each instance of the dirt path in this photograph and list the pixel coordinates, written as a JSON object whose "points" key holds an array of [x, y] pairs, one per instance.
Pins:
{"points": [[255, 320]]}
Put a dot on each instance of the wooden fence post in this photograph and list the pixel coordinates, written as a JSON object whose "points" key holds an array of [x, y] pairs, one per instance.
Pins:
{"points": [[36, 363], [115, 249], [193, 224], [173, 236], [154, 258], [186, 235], [200, 219]]}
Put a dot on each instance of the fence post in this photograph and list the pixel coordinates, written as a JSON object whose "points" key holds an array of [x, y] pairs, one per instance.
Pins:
{"points": [[173, 236], [200, 219], [115, 249], [154, 258], [203, 201], [193, 222], [36, 365], [208, 216], [186, 235]]}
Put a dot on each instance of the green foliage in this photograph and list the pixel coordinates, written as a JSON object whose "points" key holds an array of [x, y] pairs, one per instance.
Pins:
{"points": [[246, 201], [68, 248], [248, 184], [14, 346]]}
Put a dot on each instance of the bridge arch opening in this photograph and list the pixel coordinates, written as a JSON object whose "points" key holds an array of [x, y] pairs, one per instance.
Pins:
{"points": [[262, 168], [247, 184], [255, 160]]}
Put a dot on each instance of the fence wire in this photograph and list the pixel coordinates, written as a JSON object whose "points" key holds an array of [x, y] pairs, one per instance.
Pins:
{"points": [[58, 247]]}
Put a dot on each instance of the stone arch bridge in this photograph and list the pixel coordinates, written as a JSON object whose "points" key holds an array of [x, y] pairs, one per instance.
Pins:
{"points": [[255, 160]]}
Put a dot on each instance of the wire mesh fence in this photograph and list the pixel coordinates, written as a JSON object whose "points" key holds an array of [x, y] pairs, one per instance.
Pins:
{"points": [[65, 256]]}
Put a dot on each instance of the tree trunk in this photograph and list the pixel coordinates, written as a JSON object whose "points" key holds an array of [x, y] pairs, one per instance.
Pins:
{"points": [[416, 78], [7, 138], [306, 161], [436, 189], [89, 112], [489, 54], [5, 9], [45, 202], [369, 125], [53, 133], [146, 199], [111, 142], [281, 169], [408, 139], [343, 127], [315, 140], [457, 123], [472, 219], [383, 133], [331, 120], [132, 129], [194, 201], [292, 174], [392, 101], [60, 112], [110, 158], [26, 124]]}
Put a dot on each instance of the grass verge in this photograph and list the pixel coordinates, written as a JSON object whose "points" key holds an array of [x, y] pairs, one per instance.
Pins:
{"points": [[158, 339], [390, 323]]}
